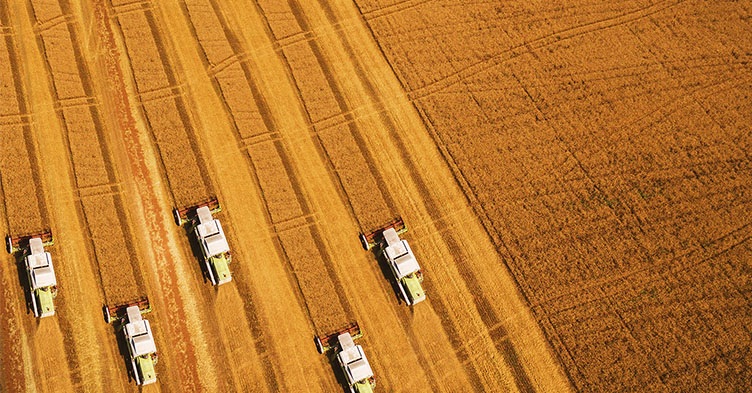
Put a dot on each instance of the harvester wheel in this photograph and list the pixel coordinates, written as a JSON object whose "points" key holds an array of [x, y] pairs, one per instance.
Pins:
{"points": [[9, 244], [319, 346], [106, 314], [364, 242], [176, 216]]}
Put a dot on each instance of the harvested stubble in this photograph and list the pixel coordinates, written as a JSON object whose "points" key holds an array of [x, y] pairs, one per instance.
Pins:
{"points": [[324, 103], [284, 201]]}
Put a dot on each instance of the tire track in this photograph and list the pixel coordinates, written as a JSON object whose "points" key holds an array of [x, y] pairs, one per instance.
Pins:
{"points": [[83, 128], [342, 106], [485, 310], [454, 78], [172, 147], [289, 204], [380, 12]]}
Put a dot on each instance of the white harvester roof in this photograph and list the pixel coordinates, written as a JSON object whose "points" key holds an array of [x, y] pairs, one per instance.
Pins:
{"points": [[39, 263], [140, 336], [36, 246], [391, 236], [353, 359], [402, 258], [210, 233]]}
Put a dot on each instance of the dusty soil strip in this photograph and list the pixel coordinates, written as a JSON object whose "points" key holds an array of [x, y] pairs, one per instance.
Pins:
{"points": [[167, 115], [104, 213]]}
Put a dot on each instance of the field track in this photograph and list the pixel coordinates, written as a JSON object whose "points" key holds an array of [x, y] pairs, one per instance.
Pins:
{"points": [[312, 121], [301, 170]]}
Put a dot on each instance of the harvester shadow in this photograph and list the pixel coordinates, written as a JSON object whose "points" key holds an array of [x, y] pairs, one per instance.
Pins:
{"points": [[339, 374], [23, 280], [386, 271], [117, 330], [196, 251]]}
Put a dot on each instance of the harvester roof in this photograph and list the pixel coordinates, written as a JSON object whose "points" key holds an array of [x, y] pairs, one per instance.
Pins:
{"points": [[390, 236], [403, 259], [36, 246], [142, 340], [204, 214], [213, 237], [356, 365], [42, 273], [352, 357]]}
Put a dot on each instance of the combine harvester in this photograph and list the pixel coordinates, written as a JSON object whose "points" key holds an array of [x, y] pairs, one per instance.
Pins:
{"points": [[211, 238], [400, 259], [39, 270], [138, 337], [350, 357]]}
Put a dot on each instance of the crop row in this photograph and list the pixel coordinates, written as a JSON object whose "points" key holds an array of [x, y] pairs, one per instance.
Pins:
{"points": [[23, 195], [285, 203], [95, 177], [164, 108], [324, 102]]}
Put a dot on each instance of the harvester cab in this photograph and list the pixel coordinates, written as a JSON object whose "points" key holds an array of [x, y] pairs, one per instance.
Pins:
{"points": [[138, 337], [350, 357], [215, 251], [400, 258], [40, 272]]}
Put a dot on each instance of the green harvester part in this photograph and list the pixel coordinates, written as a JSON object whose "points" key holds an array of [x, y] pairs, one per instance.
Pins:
{"points": [[366, 386], [414, 288], [220, 264], [145, 366], [44, 300]]}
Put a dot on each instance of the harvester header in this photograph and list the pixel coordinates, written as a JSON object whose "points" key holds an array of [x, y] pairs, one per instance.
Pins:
{"points": [[119, 312], [17, 243], [208, 232], [40, 271], [182, 215], [399, 256], [350, 357], [329, 341], [138, 337], [370, 239]]}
